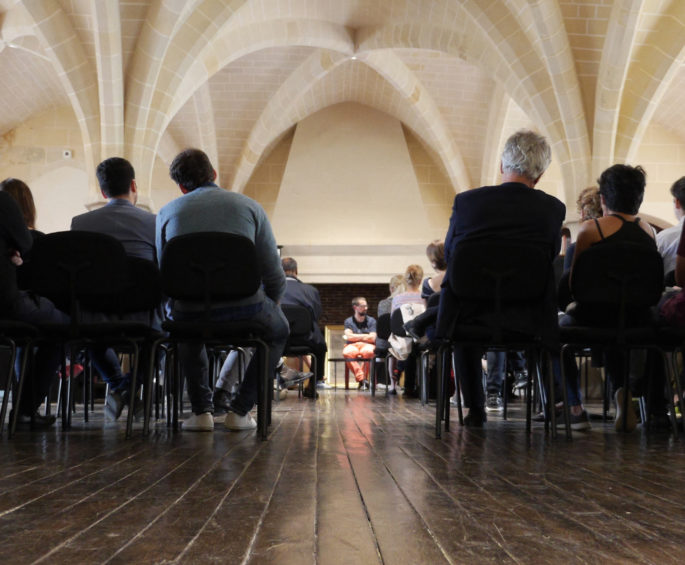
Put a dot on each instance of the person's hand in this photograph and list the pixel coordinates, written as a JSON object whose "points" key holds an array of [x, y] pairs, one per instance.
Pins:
{"points": [[16, 259]]}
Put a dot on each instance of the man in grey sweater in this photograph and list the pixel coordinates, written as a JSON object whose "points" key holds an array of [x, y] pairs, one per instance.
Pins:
{"points": [[205, 207]]}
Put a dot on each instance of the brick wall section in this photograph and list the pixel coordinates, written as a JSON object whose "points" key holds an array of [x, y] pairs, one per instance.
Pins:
{"points": [[336, 300]]}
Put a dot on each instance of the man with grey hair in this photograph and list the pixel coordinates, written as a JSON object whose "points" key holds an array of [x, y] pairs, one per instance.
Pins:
{"points": [[512, 211]]}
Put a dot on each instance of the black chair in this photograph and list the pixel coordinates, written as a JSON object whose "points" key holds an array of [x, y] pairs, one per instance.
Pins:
{"points": [[208, 268], [298, 344], [502, 293], [381, 352], [14, 334], [615, 285], [139, 301], [85, 273]]}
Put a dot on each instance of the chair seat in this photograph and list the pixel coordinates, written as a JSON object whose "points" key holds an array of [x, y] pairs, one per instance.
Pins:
{"points": [[196, 329], [17, 330], [467, 334], [606, 336], [122, 330], [670, 336]]}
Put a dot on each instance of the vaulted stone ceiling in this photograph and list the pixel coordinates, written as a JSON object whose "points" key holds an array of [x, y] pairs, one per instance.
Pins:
{"points": [[146, 77]]}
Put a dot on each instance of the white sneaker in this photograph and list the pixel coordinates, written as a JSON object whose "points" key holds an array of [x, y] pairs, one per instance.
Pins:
{"points": [[199, 423], [631, 418], [239, 423]]}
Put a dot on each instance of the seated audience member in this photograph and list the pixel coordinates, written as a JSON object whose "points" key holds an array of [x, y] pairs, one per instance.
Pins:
{"points": [[514, 211], [206, 207], [24, 306], [298, 293], [21, 193], [413, 278], [436, 255], [396, 286], [667, 240], [360, 335], [423, 324], [135, 228], [621, 189], [589, 208], [558, 263]]}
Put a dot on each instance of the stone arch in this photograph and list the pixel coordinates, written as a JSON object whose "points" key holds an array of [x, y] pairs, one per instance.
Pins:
{"points": [[534, 93], [655, 63], [168, 92], [292, 103], [613, 70], [56, 33]]}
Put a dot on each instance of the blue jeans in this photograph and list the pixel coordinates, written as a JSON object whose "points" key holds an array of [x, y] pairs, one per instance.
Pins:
{"points": [[497, 369], [38, 310], [195, 365]]}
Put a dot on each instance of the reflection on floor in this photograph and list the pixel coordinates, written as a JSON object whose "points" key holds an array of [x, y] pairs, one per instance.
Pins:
{"points": [[346, 479]]}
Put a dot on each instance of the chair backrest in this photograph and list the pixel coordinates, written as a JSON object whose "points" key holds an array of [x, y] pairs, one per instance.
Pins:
{"points": [[77, 269], [210, 267], [397, 323], [499, 272], [383, 330], [300, 320], [622, 276], [500, 285], [142, 292]]}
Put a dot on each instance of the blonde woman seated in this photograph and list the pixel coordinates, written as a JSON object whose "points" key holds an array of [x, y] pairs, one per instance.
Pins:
{"points": [[413, 278]]}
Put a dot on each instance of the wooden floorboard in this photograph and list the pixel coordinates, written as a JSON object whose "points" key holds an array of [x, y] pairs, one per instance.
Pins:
{"points": [[346, 479]]}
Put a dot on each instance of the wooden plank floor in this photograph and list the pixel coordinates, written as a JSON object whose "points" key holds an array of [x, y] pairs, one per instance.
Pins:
{"points": [[346, 479]]}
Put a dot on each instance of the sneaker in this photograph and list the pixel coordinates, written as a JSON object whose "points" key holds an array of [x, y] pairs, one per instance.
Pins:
{"points": [[324, 385], [40, 422], [221, 400], [281, 392], [580, 422], [363, 385], [199, 423], [631, 419], [288, 374], [78, 369], [307, 393], [520, 380], [558, 413], [494, 403], [114, 405], [238, 423]]}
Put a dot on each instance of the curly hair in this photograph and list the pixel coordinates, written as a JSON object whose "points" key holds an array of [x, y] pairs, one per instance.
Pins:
{"points": [[589, 203]]}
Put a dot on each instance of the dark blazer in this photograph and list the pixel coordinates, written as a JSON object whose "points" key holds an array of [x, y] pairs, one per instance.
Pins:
{"points": [[510, 211], [298, 293], [135, 228]]}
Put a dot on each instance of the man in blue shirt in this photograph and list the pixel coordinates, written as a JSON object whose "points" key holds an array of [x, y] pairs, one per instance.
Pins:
{"points": [[205, 207], [360, 335]]}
